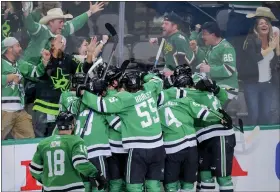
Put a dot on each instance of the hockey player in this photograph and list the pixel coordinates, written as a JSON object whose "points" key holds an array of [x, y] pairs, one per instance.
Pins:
{"points": [[117, 162], [60, 159], [176, 49], [217, 160], [91, 125], [141, 133], [177, 120]]}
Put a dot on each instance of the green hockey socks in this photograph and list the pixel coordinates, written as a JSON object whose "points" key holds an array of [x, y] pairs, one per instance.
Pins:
{"points": [[225, 184], [116, 185]]}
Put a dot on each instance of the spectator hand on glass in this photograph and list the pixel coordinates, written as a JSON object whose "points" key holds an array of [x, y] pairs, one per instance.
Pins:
{"points": [[204, 68], [15, 78], [197, 27], [193, 45], [46, 55], [6, 13], [94, 8], [153, 41], [91, 46]]}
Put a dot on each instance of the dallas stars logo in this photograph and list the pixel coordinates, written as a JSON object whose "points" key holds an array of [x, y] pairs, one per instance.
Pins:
{"points": [[60, 81]]}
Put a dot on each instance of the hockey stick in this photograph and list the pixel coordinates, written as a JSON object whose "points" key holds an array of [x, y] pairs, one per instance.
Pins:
{"points": [[114, 34], [159, 52], [240, 122], [124, 65]]}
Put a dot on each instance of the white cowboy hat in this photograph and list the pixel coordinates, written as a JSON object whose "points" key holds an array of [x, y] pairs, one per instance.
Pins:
{"points": [[262, 12], [55, 13]]}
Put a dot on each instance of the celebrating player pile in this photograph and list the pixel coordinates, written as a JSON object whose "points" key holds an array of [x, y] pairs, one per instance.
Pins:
{"points": [[135, 134]]}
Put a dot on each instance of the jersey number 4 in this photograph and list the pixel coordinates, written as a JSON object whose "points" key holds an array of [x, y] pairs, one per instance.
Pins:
{"points": [[142, 111], [56, 162], [170, 118]]}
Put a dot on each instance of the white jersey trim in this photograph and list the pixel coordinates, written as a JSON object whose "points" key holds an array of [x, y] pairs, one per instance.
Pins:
{"points": [[204, 136], [180, 147], [65, 187], [140, 145], [142, 137]]}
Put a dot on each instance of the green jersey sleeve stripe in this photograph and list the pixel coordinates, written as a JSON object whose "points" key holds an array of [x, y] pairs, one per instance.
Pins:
{"points": [[72, 29], [205, 116], [115, 123], [35, 170], [201, 113], [160, 98], [36, 165], [39, 28], [81, 161]]}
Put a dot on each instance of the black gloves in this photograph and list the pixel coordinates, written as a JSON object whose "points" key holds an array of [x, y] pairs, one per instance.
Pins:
{"points": [[99, 181], [207, 85], [97, 86]]}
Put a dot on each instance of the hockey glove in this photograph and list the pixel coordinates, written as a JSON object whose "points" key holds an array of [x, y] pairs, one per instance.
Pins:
{"points": [[97, 86], [142, 74], [207, 85], [226, 121], [99, 181], [79, 89]]}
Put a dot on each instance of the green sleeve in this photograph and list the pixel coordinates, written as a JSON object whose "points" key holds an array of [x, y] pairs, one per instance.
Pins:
{"points": [[183, 54], [199, 57], [194, 35], [69, 102], [36, 15], [227, 64], [80, 161], [114, 122], [31, 71], [114, 104], [36, 165], [74, 25], [31, 26], [153, 83], [167, 95], [198, 111], [4, 79], [222, 96]]}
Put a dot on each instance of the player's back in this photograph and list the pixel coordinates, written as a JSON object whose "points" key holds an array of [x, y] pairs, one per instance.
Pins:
{"points": [[177, 125], [141, 120], [96, 133], [58, 170]]}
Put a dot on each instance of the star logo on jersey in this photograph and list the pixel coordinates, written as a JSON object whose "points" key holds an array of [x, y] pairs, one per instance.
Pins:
{"points": [[60, 81], [167, 48]]}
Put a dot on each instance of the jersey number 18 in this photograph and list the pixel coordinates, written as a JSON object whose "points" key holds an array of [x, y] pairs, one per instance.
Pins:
{"points": [[56, 162]]}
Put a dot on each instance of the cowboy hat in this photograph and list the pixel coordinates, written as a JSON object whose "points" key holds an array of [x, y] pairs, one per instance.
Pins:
{"points": [[55, 13], [262, 12]]}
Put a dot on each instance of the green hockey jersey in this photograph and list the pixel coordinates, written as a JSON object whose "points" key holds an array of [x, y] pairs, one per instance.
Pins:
{"points": [[204, 130], [177, 51], [58, 162], [40, 35], [137, 111], [222, 60], [177, 121], [115, 136], [96, 130], [13, 94]]}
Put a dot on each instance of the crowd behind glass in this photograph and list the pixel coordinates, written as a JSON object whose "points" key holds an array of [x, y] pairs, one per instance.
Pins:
{"points": [[253, 31]]}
